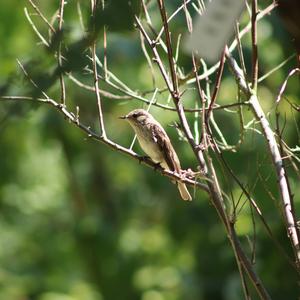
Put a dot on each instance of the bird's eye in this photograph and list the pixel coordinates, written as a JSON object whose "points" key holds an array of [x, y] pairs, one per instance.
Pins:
{"points": [[135, 115]]}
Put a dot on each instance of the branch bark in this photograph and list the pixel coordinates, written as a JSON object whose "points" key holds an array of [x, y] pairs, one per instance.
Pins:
{"points": [[274, 153], [208, 169]]}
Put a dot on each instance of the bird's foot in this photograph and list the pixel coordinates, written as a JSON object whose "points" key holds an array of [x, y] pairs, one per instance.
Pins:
{"points": [[189, 173], [157, 166], [148, 159], [144, 158]]}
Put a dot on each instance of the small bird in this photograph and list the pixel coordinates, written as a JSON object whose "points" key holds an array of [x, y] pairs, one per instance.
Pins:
{"points": [[156, 144]]}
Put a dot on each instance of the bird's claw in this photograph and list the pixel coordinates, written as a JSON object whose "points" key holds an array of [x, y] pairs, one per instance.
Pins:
{"points": [[157, 166], [144, 158]]}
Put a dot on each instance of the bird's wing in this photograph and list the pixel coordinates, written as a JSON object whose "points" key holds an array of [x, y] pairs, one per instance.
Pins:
{"points": [[164, 143]]}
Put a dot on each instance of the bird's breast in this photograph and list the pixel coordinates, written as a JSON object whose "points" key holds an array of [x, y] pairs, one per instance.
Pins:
{"points": [[150, 147]]}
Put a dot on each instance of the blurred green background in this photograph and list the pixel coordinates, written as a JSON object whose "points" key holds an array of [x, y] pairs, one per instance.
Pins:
{"points": [[79, 221]]}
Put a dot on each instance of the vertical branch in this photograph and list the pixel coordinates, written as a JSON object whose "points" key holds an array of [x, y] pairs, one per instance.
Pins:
{"points": [[105, 53], [163, 13], [96, 77], [203, 102], [254, 44], [59, 56], [240, 49], [174, 90], [280, 139], [275, 155], [80, 15], [217, 85], [188, 18], [281, 175], [208, 169]]}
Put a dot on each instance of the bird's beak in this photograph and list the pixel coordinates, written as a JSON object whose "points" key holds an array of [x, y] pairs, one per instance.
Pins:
{"points": [[123, 117]]}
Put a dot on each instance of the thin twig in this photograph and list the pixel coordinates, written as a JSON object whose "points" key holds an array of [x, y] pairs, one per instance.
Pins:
{"points": [[254, 44], [281, 91], [96, 79], [30, 79], [256, 208], [35, 29], [149, 61], [102, 92], [162, 10], [129, 96], [215, 193], [263, 77], [59, 55], [190, 79], [157, 58], [217, 86], [275, 154], [202, 103], [188, 17], [105, 53], [186, 2], [80, 15], [240, 49], [36, 8]]}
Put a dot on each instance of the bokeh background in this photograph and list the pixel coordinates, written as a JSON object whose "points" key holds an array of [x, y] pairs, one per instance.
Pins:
{"points": [[79, 221]]}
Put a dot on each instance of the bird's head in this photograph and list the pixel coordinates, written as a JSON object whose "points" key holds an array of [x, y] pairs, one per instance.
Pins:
{"points": [[137, 117]]}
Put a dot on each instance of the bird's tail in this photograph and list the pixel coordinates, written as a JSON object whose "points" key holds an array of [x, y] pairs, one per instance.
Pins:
{"points": [[184, 193]]}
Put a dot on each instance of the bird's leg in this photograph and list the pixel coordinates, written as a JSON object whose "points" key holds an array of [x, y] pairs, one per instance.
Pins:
{"points": [[144, 158], [157, 166]]}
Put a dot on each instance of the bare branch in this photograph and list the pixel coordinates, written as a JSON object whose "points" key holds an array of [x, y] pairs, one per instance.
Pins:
{"points": [[43, 40], [254, 44], [158, 60], [190, 79], [291, 73], [59, 55], [275, 154], [263, 77], [217, 85], [96, 79], [35, 7], [169, 46], [93, 135]]}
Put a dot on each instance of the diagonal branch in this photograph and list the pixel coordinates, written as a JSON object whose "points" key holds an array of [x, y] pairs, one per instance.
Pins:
{"points": [[72, 118], [36, 8]]}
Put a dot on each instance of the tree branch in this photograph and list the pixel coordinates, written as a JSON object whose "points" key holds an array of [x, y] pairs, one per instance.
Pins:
{"points": [[275, 155], [115, 146]]}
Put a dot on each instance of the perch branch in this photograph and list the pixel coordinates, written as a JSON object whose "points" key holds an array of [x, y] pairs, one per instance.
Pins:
{"points": [[93, 135]]}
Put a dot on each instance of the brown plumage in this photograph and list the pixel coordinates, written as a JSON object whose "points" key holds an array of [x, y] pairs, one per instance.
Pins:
{"points": [[156, 144]]}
